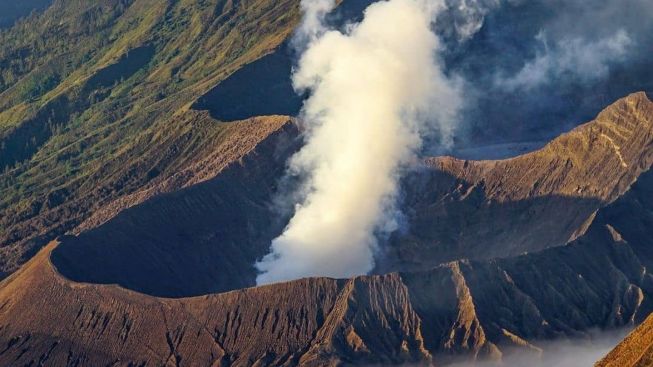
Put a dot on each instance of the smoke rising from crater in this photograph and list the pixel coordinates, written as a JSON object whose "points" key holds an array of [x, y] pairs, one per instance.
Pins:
{"points": [[375, 90], [313, 21]]}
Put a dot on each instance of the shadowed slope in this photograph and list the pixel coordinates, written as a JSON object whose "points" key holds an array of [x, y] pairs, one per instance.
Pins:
{"points": [[10, 11], [260, 88], [201, 238]]}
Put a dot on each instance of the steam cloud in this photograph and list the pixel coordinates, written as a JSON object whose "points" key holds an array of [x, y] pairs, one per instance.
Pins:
{"points": [[585, 60], [535, 68], [531, 70], [313, 21], [564, 352], [465, 17], [375, 90]]}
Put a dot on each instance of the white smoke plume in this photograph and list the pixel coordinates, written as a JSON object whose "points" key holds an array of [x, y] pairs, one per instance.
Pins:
{"points": [[312, 23], [374, 90]]}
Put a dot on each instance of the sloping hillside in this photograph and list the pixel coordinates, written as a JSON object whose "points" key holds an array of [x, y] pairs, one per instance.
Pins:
{"points": [[94, 104], [530, 202], [636, 350], [146, 136]]}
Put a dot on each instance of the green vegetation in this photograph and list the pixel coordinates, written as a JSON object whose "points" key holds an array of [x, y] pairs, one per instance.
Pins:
{"points": [[94, 100]]}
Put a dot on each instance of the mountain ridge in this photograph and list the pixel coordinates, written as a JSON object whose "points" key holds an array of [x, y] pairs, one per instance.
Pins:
{"points": [[191, 230], [578, 171], [150, 139], [383, 319], [464, 309]]}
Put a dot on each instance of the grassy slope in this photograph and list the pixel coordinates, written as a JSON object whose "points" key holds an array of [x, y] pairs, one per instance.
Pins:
{"points": [[94, 100]]}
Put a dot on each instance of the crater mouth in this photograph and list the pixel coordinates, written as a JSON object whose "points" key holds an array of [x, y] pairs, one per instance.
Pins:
{"points": [[198, 240]]}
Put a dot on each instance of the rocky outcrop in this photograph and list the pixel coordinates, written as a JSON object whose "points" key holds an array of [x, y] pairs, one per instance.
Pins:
{"points": [[599, 159]]}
